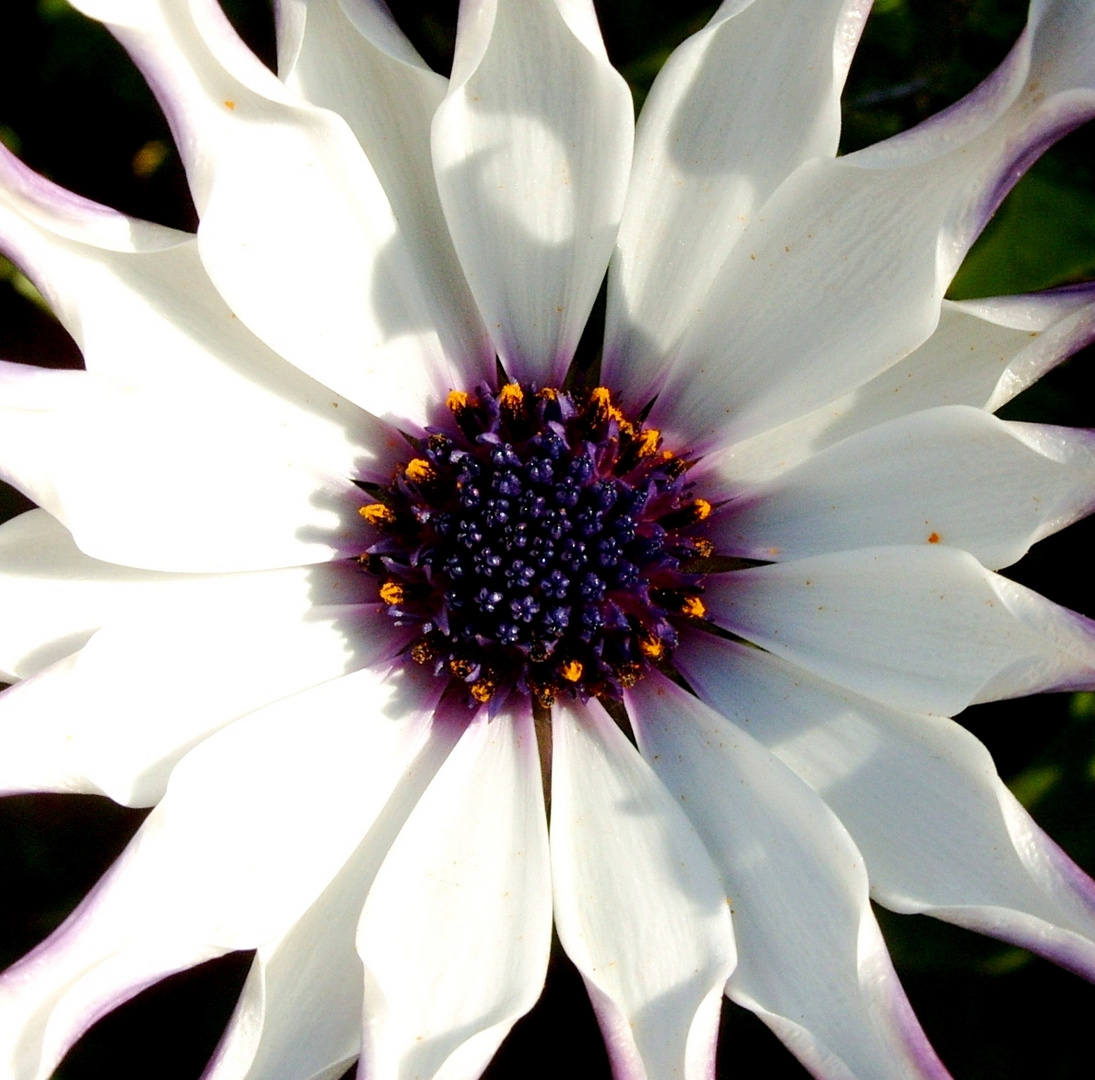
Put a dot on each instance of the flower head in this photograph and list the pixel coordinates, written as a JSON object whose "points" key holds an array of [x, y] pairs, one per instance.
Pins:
{"points": [[357, 578]]}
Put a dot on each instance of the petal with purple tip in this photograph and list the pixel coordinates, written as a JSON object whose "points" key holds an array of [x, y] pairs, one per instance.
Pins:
{"points": [[925, 628], [639, 907], [733, 112], [793, 322], [812, 961], [259, 819], [939, 831], [379, 330], [954, 475]]}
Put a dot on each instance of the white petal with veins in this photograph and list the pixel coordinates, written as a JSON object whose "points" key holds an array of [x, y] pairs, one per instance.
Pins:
{"points": [[638, 905], [812, 964], [456, 929], [939, 831], [956, 476], [258, 820], [982, 353], [925, 628], [532, 148], [732, 113], [792, 321]]}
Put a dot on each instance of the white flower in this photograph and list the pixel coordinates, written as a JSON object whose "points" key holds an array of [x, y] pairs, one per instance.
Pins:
{"points": [[192, 631]]}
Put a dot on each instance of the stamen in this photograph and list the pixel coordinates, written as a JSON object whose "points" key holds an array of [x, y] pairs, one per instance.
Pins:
{"points": [[377, 514], [419, 471], [461, 668], [696, 511], [543, 543], [648, 442], [693, 607], [651, 647], [423, 651], [571, 670]]}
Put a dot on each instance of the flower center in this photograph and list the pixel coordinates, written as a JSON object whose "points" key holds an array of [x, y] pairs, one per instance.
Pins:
{"points": [[542, 543]]}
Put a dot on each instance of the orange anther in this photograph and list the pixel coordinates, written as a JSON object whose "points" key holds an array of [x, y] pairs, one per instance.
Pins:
{"points": [[377, 514], [694, 606], [418, 470]]}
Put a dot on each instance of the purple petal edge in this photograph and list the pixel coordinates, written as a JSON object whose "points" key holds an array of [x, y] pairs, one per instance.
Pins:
{"points": [[66, 936], [20, 179], [1039, 139], [927, 1060]]}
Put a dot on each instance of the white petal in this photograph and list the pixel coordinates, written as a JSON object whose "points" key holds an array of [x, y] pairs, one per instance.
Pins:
{"points": [[923, 628], [349, 56], [379, 329], [116, 717], [299, 1014], [638, 905], [156, 478], [257, 821], [733, 112], [532, 148], [954, 475], [136, 298], [55, 597], [842, 272], [812, 963], [939, 831], [982, 353], [139, 304], [456, 929]]}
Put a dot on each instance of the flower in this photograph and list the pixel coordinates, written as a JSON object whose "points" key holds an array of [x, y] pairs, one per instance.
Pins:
{"points": [[284, 584]]}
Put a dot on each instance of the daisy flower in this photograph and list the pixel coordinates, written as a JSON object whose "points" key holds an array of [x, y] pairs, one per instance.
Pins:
{"points": [[422, 640]]}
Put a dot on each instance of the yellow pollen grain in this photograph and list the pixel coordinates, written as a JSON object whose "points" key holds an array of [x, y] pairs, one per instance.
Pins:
{"points": [[548, 393], [377, 514], [702, 509], [571, 670], [461, 668], [601, 396], [694, 606], [422, 652], [419, 469], [704, 548], [483, 690], [626, 427], [391, 592], [651, 647], [457, 400], [648, 442], [511, 396]]}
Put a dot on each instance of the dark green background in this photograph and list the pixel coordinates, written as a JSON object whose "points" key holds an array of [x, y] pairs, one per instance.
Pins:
{"points": [[74, 108]]}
